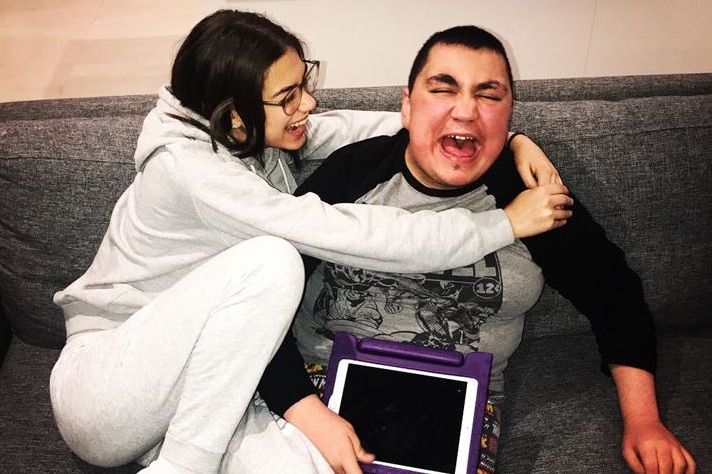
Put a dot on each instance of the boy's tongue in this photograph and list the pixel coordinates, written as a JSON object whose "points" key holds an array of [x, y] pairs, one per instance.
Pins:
{"points": [[459, 148]]}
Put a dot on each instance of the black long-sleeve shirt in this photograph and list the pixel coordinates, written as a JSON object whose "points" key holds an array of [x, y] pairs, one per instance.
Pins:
{"points": [[577, 260]]}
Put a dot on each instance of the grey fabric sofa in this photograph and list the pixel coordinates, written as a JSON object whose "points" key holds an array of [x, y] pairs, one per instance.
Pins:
{"points": [[636, 150]]}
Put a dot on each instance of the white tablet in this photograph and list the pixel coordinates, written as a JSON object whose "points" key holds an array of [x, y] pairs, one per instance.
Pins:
{"points": [[412, 420]]}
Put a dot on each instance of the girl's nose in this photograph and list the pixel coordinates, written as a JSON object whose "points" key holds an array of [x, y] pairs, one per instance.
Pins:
{"points": [[308, 102]]}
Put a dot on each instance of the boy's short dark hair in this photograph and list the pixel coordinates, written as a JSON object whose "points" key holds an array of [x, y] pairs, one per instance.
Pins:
{"points": [[470, 36]]}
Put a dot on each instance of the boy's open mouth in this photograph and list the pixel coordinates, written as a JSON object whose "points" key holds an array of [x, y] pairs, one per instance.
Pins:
{"points": [[460, 146]]}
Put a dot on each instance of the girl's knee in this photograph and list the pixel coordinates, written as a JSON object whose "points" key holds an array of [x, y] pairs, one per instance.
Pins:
{"points": [[276, 248], [275, 256]]}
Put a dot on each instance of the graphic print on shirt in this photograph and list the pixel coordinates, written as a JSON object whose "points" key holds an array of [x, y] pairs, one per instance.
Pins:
{"points": [[443, 310]]}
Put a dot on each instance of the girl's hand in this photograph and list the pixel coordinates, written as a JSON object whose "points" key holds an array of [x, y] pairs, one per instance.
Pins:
{"points": [[539, 210], [332, 435]]}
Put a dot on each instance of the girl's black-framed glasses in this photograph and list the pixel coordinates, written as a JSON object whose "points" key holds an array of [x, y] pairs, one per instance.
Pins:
{"points": [[290, 102]]}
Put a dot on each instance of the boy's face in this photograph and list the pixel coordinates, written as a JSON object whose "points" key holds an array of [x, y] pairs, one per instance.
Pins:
{"points": [[457, 114]]}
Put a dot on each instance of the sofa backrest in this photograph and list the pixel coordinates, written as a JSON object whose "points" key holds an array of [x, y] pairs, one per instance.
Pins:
{"points": [[63, 164], [643, 167], [637, 151]]}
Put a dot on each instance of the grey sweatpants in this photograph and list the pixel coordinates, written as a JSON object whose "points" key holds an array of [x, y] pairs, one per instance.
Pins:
{"points": [[182, 372]]}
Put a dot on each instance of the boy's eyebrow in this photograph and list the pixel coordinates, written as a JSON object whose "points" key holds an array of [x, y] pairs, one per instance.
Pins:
{"points": [[451, 81], [442, 78], [493, 84]]}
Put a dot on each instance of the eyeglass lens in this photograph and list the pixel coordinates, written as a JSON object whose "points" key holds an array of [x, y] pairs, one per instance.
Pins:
{"points": [[294, 98]]}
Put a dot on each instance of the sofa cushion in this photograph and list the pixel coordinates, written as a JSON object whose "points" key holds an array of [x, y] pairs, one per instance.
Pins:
{"points": [[57, 190], [561, 413], [643, 168], [31, 442], [542, 413]]}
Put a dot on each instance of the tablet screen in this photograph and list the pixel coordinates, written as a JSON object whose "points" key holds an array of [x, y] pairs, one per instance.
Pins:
{"points": [[420, 421]]}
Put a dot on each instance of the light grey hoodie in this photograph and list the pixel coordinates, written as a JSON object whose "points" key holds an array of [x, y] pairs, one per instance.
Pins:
{"points": [[188, 203]]}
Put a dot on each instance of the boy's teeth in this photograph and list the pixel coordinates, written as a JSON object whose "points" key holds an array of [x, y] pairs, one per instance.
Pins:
{"points": [[460, 138]]}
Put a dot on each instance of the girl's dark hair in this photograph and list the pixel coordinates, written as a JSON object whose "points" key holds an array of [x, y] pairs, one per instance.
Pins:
{"points": [[221, 66], [470, 36]]}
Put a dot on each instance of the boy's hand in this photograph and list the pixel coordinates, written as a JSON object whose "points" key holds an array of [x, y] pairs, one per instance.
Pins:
{"points": [[533, 165], [650, 448]]}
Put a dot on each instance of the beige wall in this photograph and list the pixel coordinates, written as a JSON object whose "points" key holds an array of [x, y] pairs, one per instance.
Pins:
{"points": [[372, 42], [75, 48]]}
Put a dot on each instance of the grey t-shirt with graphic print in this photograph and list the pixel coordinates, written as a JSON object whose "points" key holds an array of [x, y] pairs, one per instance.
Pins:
{"points": [[476, 308]]}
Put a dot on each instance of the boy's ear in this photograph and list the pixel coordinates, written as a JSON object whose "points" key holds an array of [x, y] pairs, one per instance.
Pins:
{"points": [[405, 107]]}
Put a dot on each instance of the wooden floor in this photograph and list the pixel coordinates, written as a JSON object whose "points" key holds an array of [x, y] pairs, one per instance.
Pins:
{"points": [[73, 48]]}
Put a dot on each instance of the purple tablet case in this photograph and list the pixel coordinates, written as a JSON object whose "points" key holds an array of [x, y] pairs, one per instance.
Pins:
{"points": [[475, 365]]}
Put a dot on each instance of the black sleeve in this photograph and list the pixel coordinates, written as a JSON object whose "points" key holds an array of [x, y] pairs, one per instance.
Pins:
{"points": [[580, 263], [589, 270], [285, 381]]}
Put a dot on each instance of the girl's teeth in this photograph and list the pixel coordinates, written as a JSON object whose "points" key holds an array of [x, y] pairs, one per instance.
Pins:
{"points": [[296, 125]]}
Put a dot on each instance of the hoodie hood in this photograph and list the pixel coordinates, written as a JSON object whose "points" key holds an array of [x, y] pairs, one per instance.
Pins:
{"points": [[161, 130]]}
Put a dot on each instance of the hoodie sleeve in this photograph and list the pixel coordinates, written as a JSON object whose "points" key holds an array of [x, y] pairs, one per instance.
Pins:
{"points": [[329, 131], [215, 196], [238, 204]]}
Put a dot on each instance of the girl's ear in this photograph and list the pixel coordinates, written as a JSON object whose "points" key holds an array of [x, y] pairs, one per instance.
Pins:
{"points": [[238, 128]]}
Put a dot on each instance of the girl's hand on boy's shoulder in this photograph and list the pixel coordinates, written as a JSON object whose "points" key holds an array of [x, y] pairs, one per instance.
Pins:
{"points": [[539, 210]]}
